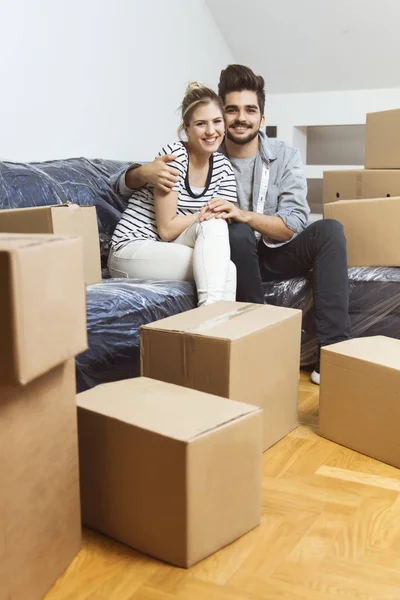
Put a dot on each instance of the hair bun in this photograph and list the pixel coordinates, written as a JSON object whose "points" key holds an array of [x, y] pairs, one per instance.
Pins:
{"points": [[193, 85]]}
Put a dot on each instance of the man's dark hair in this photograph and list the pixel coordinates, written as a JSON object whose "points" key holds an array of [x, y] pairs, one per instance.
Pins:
{"points": [[236, 78]]}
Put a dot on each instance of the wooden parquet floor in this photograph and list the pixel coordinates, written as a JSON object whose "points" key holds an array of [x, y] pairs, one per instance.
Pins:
{"points": [[330, 530]]}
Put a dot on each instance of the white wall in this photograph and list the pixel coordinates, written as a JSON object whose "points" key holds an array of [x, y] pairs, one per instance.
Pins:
{"points": [[100, 78]]}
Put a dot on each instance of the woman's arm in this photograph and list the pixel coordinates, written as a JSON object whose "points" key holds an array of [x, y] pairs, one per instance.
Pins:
{"points": [[169, 225]]}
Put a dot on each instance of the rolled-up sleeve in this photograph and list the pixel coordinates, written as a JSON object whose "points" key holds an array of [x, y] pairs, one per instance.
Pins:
{"points": [[293, 207], [117, 181]]}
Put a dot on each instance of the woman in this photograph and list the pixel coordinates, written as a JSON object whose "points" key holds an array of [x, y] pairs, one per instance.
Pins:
{"points": [[159, 235]]}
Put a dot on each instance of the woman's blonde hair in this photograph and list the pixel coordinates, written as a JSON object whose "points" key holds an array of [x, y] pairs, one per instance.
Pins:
{"points": [[196, 95]]}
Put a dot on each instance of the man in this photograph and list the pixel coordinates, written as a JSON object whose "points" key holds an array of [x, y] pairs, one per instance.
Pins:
{"points": [[269, 236]]}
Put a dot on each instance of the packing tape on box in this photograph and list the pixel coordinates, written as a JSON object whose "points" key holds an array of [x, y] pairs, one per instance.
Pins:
{"points": [[232, 314], [189, 342]]}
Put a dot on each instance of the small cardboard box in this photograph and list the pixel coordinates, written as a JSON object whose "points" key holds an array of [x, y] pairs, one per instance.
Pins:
{"points": [[382, 148], [354, 184], [245, 352], [359, 396], [371, 228], [60, 219], [40, 523], [42, 304], [171, 472]]}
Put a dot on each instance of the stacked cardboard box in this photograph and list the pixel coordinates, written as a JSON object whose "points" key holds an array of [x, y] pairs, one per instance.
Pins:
{"points": [[367, 202], [60, 219], [43, 325]]}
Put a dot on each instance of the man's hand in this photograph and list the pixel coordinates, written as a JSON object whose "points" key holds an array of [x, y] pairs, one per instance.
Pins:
{"points": [[158, 173], [270, 226], [222, 209]]}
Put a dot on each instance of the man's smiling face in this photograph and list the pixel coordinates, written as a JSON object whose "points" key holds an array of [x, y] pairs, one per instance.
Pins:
{"points": [[242, 116]]}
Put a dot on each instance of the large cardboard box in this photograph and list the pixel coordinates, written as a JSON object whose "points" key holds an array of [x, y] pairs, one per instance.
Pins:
{"points": [[371, 230], [60, 219], [42, 304], [382, 147], [171, 472], [246, 352], [354, 184], [42, 324], [359, 396], [40, 524]]}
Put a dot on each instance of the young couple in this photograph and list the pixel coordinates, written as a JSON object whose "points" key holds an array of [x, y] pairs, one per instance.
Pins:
{"points": [[232, 223]]}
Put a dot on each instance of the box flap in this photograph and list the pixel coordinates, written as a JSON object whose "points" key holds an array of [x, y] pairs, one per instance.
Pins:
{"points": [[43, 208], [162, 408], [377, 349], [224, 320], [16, 241]]}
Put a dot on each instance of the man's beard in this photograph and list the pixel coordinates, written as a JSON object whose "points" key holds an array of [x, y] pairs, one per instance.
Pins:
{"points": [[241, 141]]}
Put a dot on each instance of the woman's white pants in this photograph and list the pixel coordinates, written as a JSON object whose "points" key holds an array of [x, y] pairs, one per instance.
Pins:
{"points": [[200, 254]]}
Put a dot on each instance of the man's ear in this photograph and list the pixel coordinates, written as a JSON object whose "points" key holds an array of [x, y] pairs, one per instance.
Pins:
{"points": [[262, 122]]}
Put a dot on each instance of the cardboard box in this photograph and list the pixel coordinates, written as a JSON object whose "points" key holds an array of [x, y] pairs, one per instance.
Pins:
{"points": [[371, 230], [382, 148], [354, 184], [341, 185], [42, 304], [359, 396], [171, 472], [40, 524], [61, 219], [246, 352]]}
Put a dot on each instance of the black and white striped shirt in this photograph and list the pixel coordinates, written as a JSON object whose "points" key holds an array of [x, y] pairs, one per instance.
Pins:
{"points": [[138, 221]]}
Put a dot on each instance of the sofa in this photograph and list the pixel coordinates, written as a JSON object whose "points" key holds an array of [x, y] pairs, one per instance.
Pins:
{"points": [[116, 308]]}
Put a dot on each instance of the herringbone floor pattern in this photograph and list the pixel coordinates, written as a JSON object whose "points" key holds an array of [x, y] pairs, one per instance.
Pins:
{"points": [[330, 530]]}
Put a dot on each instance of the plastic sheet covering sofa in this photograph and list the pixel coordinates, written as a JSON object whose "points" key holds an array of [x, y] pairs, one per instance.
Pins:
{"points": [[117, 308]]}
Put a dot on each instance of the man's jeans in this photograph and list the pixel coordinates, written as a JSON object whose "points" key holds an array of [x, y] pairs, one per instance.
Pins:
{"points": [[320, 248]]}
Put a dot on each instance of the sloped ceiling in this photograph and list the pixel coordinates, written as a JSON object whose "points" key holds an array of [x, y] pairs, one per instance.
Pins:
{"points": [[314, 45]]}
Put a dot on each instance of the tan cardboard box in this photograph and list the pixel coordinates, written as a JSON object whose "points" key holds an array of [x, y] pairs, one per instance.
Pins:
{"points": [[354, 184], [359, 396], [380, 184], [246, 352], [40, 523], [382, 148], [171, 472], [371, 230], [60, 219], [341, 185], [42, 324], [42, 304]]}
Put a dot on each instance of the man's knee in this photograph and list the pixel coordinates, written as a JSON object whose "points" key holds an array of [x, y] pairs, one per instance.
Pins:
{"points": [[327, 231], [329, 228], [241, 236]]}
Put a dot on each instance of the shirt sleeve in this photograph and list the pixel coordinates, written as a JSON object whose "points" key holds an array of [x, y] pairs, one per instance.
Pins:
{"points": [[117, 181], [180, 163], [293, 207], [226, 189]]}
